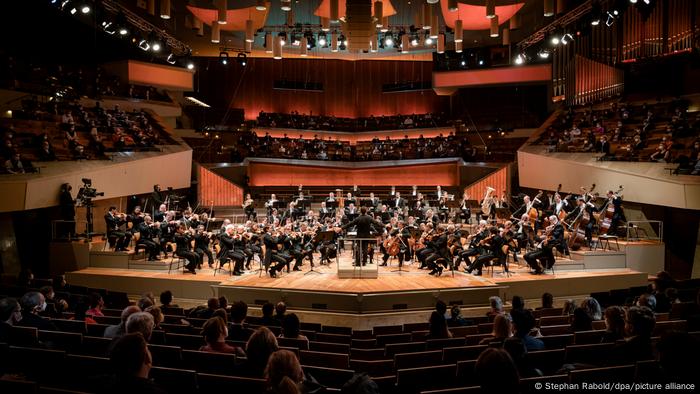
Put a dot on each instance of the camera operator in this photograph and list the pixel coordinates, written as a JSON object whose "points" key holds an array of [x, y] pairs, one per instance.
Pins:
{"points": [[67, 209], [114, 220]]}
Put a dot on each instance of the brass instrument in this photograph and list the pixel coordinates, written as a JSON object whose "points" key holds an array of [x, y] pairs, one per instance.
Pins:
{"points": [[486, 203]]}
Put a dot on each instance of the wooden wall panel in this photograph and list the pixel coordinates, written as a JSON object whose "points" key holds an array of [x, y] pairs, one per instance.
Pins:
{"points": [[217, 191], [266, 174], [497, 180], [350, 88]]}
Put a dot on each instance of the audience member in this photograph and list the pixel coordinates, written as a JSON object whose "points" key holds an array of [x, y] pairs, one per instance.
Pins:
{"points": [[592, 308], [118, 330], [280, 310], [215, 332], [259, 348], [96, 305], [290, 328], [517, 302], [456, 319], [500, 332], [496, 372], [517, 351], [547, 301], [33, 303], [141, 322], [268, 309], [647, 300], [581, 321], [523, 322], [639, 325], [438, 327], [158, 316], [237, 329], [131, 361], [496, 307], [10, 315], [166, 299], [614, 324]]}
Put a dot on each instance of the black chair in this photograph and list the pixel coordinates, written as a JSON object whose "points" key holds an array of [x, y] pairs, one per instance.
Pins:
{"points": [[418, 359], [415, 380], [210, 383], [374, 368], [185, 341], [68, 341], [166, 356], [64, 325], [331, 377], [206, 362], [439, 344], [175, 380], [95, 346], [24, 361], [465, 373], [409, 347], [451, 355], [300, 344], [321, 359], [336, 330], [91, 370], [383, 340], [547, 361]]}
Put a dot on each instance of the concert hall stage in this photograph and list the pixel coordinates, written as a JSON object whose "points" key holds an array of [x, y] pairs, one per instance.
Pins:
{"points": [[410, 290]]}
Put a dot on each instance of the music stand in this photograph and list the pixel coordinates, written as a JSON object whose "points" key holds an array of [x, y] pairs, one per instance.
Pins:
{"points": [[323, 236]]}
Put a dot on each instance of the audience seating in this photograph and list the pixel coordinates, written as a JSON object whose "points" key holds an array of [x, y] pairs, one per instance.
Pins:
{"points": [[417, 359], [321, 359], [212, 383], [462, 353], [415, 380], [175, 380], [206, 362], [624, 374]]}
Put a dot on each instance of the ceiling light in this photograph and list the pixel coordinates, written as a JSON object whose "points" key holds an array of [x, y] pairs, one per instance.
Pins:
{"points": [[463, 63], [223, 58], [609, 20], [520, 59], [567, 38], [543, 54], [389, 41], [190, 66], [171, 59], [143, 44], [85, 9], [242, 59], [554, 40], [414, 41], [322, 41]]}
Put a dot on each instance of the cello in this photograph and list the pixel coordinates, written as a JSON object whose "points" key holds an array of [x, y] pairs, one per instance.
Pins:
{"points": [[608, 212]]}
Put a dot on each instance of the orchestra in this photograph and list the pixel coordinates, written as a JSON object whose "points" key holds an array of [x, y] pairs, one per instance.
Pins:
{"points": [[435, 232]]}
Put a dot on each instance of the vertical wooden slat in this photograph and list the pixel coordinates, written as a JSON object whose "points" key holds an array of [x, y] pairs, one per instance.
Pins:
{"points": [[216, 190]]}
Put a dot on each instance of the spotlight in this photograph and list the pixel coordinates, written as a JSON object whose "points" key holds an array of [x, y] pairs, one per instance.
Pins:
{"points": [[414, 41], [156, 46], [543, 54], [171, 59], [342, 42], [190, 65], [85, 9], [595, 21], [520, 59], [223, 58], [633, 1], [295, 40], [554, 40], [123, 31], [428, 40], [322, 41], [283, 35], [463, 63], [389, 40], [143, 44], [481, 62], [242, 59], [73, 11], [567, 38], [109, 27], [609, 20]]}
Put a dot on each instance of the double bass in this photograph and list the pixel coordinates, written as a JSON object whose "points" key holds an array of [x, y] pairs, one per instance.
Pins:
{"points": [[532, 212], [577, 235], [608, 212], [562, 213]]}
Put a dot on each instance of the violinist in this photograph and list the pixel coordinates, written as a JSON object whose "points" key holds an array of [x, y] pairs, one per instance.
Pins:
{"points": [[331, 197], [438, 244], [325, 212], [524, 234], [443, 209], [350, 200], [201, 245], [350, 210], [135, 218], [114, 221], [160, 215], [493, 252], [168, 228], [374, 200], [544, 257], [424, 247], [465, 211], [249, 208], [302, 246], [270, 204], [475, 246], [397, 201], [430, 217], [147, 231], [328, 249], [280, 252], [232, 246], [183, 249], [253, 245]]}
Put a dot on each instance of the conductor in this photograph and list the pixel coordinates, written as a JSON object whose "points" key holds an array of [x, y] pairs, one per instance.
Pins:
{"points": [[364, 224]]}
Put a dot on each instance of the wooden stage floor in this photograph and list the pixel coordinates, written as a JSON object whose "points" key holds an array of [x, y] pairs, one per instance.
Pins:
{"points": [[410, 289]]}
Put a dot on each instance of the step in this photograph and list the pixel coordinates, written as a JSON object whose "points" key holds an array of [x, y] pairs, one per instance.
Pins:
{"points": [[597, 259]]}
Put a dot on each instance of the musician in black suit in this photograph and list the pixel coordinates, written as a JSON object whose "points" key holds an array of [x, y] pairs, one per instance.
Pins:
{"points": [[350, 200], [439, 246], [397, 202], [325, 212], [147, 232], [356, 191], [201, 245], [492, 251], [184, 249], [364, 224], [114, 221], [577, 214], [544, 257], [374, 201], [619, 214], [156, 196], [350, 210], [232, 248]]}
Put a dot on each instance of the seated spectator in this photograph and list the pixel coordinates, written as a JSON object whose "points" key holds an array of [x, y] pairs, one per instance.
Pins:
{"points": [[131, 361], [647, 300], [438, 327], [14, 164], [614, 324], [547, 301], [166, 299], [32, 304], [568, 309], [456, 319], [500, 332], [639, 325], [592, 308], [221, 312], [496, 372], [290, 328], [661, 154], [54, 306], [140, 322], [158, 316], [523, 322], [259, 348], [517, 302], [674, 349], [79, 153], [10, 315], [215, 332], [581, 321], [46, 153], [267, 319], [496, 307], [516, 350], [96, 305], [118, 330], [223, 303], [145, 301], [237, 329], [283, 373], [202, 312], [280, 310]]}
